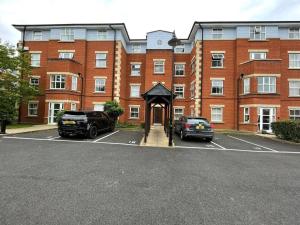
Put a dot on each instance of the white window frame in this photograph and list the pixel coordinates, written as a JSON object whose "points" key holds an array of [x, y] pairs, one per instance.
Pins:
{"points": [[294, 33], [136, 48], [61, 82], [101, 34], [179, 49], [34, 83], [159, 64], [215, 83], [246, 85], [37, 35], [35, 62], [131, 107], [179, 93], [30, 103], [99, 107], [134, 71], [100, 83], [246, 114], [219, 114], [218, 58], [74, 83], [67, 34], [177, 114], [295, 117], [257, 33], [101, 62], [66, 55], [217, 33], [257, 55], [266, 82], [179, 70], [294, 88], [294, 60], [135, 90], [73, 106]]}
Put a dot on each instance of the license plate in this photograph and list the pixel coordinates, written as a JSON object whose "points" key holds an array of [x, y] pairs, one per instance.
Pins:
{"points": [[68, 122], [199, 127]]}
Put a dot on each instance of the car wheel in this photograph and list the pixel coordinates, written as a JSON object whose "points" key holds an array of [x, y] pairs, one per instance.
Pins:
{"points": [[112, 127], [182, 137], [62, 134], [92, 133], [208, 139]]}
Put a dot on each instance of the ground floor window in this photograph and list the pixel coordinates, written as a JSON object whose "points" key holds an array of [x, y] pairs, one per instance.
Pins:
{"points": [[134, 112], [216, 114], [73, 106], [294, 114], [246, 115], [99, 107], [32, 108], [178, 112]]}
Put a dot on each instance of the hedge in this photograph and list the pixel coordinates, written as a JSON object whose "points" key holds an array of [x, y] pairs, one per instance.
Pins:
{"points": [[287, 130]]}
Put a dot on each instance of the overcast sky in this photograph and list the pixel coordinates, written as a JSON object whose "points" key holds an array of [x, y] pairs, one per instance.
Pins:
{"points": [[140, 16]]}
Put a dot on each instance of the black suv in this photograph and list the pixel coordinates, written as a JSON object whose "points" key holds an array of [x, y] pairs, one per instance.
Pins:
{"points": [[86, 123]]}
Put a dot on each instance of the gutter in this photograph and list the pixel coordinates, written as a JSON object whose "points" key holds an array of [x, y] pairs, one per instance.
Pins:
{"points": [[20, 104], [114, 62]]}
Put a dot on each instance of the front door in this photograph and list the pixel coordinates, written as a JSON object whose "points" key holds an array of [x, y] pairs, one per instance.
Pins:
{"points": [[54, 108], [157, 115], [266, 117]]}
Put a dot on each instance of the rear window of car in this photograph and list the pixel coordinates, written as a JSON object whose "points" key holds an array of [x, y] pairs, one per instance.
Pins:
{"points": [[197, 121], [74, 114]]}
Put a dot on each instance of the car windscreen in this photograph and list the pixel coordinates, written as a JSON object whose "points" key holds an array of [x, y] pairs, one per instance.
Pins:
{"points": [[197, 121]]}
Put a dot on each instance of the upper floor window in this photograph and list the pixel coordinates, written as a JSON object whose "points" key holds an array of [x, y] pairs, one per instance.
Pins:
{"points": [[35, 59], [179, 90], [67, 34], [100, 84], [32, 108], [178, 112], [258, 55], [34, 81], [217, 33], [193, 65], [179, 69], [294, 33], [294, 60], [179, 49], [294, 114], [58, 81], [258, 33], [66, 55], [102, 34], [135, 90], [101, 60], [294, 88], [266, 84], [74, 83], [192, 90], [37, 35], [135, 69], [159, 66], [217, 87], [246, 82], [217, 60], [136, 48]]}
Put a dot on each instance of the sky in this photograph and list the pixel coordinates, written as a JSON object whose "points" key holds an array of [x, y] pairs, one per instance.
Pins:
{"points": [[140, 16]]}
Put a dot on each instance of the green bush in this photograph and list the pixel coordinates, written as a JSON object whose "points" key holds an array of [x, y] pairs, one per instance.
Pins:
{"points": [[287, 130], [113, 109]]}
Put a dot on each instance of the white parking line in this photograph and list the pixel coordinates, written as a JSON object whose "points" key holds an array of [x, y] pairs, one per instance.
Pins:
{"points": [[218, 145], [106, 136], [252, 143], [53, 138]]}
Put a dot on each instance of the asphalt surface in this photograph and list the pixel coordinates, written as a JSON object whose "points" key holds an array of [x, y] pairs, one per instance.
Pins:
{"points": [[48, 180]]}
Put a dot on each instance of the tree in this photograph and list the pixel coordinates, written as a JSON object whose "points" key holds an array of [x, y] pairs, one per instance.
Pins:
{"points": [[113, 109], [15, 71]]}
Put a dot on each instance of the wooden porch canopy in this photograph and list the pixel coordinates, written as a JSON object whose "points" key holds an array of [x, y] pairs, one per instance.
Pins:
{"points": [[157, 95]]}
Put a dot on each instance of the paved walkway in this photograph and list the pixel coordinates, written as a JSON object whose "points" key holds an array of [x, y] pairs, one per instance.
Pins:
{"points": [[30, 129], [156, 138]]}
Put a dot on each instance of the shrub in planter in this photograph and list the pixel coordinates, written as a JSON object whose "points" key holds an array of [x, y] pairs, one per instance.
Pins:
{"points": [[287, 130], [113, 109]]}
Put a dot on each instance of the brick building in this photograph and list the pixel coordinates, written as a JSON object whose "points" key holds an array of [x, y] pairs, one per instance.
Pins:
{"points": [[239, 75]]}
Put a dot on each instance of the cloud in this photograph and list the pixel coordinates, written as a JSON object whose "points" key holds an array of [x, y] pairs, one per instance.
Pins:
{"points": [[140, 16]]}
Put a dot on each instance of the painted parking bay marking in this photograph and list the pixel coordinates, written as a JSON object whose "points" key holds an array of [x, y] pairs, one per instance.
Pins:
{"points": [[106, 136]]}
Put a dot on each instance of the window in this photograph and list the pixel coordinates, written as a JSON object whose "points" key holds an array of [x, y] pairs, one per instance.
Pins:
{"points": [[258, 55], [179, 49], [294, 33], [294, 88], [246, 115], [217, 114], [159, 67], [101, 60], [217, 87], [34, 81], [102, 34], [193, 65], [99, 107], [74, 83], [266, 84], [32, 108], [179, 91], [258, 33], [58, 81], [73, 106], [217, 60], [178, 112], [217, 33], [294, 60], [294, 114], [66, 55], [37, 35], [67, 34], [135, 69], [179, 69], [192, 90], [136, 48], [135, 91], [100, 84], [35, 59], [246, 85], [134, 112]]}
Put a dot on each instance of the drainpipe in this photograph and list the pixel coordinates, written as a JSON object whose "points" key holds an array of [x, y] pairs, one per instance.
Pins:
{"points": [[202, 67], [114, 62], [238, 101]]}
